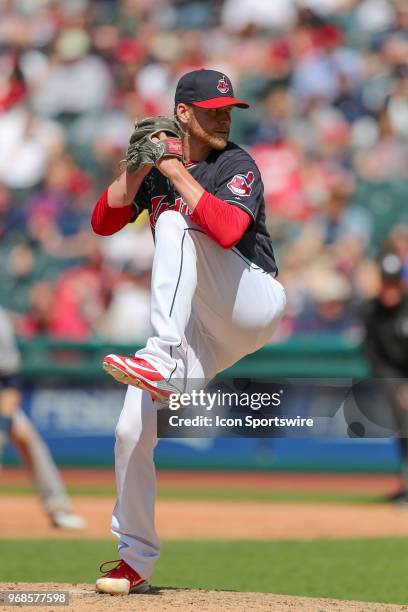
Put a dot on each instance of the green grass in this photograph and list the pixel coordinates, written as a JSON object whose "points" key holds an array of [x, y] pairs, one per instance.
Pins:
{"points": [[368, 570], [239, 495]]}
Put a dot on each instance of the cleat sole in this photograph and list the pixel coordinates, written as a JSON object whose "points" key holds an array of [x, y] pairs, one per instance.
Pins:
{"points": [[126, 379]]}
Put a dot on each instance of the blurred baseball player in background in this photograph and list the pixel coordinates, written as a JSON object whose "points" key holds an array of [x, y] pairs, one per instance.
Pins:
{"points": [[214, 295], [386, 347], [16, 427]]}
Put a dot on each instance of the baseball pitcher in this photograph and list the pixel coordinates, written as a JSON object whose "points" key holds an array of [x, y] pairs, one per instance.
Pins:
{"points": [[214, 297]]}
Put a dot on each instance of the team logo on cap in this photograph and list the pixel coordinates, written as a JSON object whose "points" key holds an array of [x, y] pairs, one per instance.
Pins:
{"points": [[223, 86], [241, 184]]}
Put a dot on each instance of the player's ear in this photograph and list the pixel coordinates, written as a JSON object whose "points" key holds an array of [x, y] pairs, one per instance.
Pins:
{"points": [[183, 113]]}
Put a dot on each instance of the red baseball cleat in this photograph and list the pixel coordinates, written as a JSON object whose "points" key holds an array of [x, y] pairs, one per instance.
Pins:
{"points": [[121, 580], [139, 373]]}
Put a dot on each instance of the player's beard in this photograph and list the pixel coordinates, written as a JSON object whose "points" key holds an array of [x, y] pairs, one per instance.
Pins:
{"points": [[215, 141]]}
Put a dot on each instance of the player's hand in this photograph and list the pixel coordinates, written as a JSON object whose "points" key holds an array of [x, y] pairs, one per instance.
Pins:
{"points": [[167, 165]]}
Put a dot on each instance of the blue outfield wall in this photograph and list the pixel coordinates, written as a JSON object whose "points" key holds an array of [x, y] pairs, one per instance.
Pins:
{"points": [[78, 422]]}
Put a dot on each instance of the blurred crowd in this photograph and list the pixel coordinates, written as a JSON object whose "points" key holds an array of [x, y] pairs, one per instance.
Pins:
{"points": [[328, 126]]}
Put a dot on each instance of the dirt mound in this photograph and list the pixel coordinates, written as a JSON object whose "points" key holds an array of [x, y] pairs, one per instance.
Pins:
{"points": [[83, 597]]}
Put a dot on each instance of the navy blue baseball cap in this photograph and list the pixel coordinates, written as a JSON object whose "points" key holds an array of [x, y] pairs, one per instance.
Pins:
{"points": [[207, 89]]}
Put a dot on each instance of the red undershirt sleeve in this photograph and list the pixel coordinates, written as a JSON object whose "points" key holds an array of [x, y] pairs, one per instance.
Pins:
{"points": [[223, 222], [106, 220]]}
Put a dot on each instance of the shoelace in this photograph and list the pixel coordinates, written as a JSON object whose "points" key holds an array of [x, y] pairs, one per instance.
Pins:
{"points": [[102, 565]]}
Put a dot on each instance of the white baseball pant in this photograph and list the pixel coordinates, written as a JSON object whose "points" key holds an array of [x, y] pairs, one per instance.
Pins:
{"points": [[209, 308]]}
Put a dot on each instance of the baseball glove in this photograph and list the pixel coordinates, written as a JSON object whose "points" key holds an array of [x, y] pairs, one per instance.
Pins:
{"points": [[143, 150]]}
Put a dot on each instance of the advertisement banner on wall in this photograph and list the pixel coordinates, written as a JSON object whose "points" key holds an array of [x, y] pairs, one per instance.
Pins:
{"points": [[78, 423]]}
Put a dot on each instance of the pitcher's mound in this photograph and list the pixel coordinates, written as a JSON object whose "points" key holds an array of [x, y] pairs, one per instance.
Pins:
{"points": [[83, 597]]}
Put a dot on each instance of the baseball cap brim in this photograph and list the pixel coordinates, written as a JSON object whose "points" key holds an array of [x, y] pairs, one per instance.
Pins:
{"points": [[221, 102]]}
